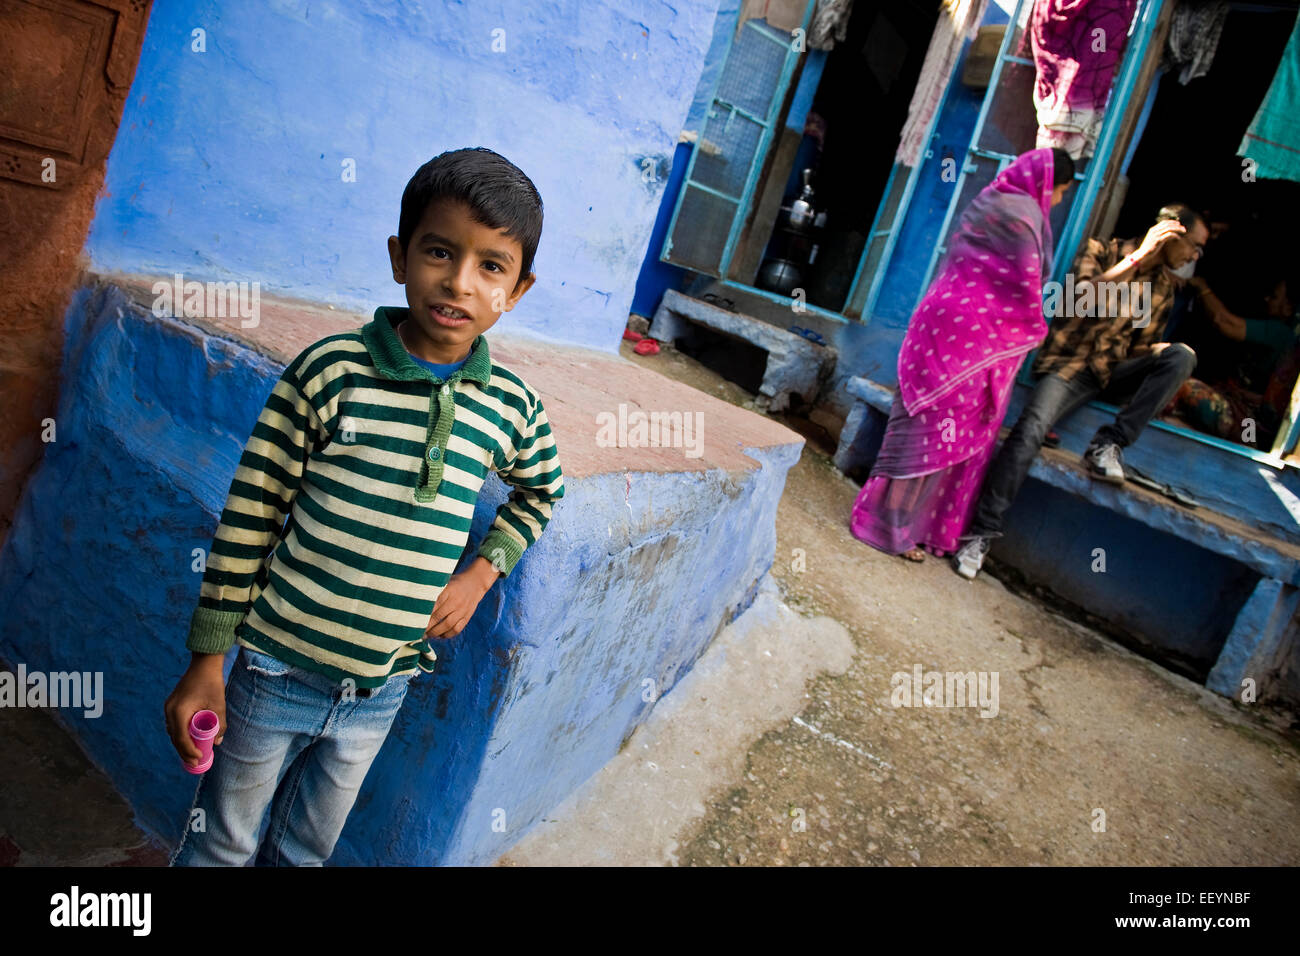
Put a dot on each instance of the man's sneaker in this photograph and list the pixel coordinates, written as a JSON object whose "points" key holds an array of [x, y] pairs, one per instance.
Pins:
{"points": [[970, 558], [1103, 462]]}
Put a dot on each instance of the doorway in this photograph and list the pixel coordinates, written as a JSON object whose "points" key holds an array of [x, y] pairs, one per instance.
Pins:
{"points": [[848, 150], [1188, 153]]}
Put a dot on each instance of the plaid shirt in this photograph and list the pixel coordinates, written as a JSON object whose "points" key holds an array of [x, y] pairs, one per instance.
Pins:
{"points": [[1105, 338]]}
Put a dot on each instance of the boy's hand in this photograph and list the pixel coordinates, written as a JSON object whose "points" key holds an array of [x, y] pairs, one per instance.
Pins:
{"points": [[458, 600], [201, 687]]}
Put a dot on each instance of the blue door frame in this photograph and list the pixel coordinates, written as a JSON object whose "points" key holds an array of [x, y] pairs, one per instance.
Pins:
{"points": [[767, 123]]}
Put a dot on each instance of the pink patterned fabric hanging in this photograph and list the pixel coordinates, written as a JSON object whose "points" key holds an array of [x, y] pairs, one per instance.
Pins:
{"points": [[1076, 45]]}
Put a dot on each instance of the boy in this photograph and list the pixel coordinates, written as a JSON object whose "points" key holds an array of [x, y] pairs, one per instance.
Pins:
{"points": [[374, 443]]}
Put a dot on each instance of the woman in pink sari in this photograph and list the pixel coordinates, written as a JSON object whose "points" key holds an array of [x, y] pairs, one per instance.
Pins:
{"points": [[965, 342]]}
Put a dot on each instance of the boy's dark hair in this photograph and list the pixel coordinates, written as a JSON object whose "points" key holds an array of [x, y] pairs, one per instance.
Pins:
{"points": [[497, 191], [1184, 213], [1062, 167]]}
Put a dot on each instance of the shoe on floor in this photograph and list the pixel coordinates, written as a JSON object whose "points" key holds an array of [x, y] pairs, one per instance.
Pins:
{"points": [[970, 558], [1104, 462]]}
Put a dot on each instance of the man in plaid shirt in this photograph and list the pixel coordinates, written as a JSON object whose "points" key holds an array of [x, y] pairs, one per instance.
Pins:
{"points": [[1109, 348]]}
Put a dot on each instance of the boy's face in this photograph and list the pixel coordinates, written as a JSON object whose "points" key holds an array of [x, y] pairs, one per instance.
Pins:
{"points": [[460, 275]]}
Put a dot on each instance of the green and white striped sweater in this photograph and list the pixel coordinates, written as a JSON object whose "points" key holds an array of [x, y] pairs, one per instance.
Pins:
{"points": [[377, 465]]}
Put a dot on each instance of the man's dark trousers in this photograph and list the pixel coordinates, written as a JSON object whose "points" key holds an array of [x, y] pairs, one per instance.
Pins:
{"points": [[1143, 386]]}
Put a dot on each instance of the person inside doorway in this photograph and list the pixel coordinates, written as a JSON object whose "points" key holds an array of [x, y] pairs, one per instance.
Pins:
{"points": [[1247, 407], [1107, 342]]}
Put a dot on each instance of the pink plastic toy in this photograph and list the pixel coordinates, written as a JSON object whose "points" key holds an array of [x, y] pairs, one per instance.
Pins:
{"points": [[203, 730]]}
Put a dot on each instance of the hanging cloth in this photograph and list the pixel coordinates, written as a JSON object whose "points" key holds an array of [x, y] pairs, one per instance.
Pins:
{"points": [[830, 24], [1194, 37], [1273, 140], [958, 22], [1076, 45]]}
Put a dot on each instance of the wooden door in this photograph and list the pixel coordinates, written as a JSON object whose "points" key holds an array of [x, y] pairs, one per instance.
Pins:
{"points": [[65, 70]]}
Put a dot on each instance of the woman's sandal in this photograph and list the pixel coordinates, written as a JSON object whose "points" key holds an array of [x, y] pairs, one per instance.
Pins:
{"points": [[916, 555]]}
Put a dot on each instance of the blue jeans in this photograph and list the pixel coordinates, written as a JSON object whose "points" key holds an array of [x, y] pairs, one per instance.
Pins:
{"points": [[294, 742], [1142, 386]]}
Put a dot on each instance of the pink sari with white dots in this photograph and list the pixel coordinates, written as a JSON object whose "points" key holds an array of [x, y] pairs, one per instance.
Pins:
{"points": [[965, 342]]}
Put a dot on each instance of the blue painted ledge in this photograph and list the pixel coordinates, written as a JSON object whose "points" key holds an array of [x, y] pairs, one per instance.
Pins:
{"points": [[1255, 545], [1206, 592], [647, 556]]}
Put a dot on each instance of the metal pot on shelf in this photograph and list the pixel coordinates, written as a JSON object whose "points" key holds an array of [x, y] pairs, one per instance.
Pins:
{"points": [[783, 272], [780, 276]]}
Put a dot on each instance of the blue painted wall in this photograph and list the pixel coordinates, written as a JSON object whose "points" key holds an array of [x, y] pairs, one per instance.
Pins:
{"points": [[228, 163], [522, 711], [1167, 595], [529, 701], [656, 276]]}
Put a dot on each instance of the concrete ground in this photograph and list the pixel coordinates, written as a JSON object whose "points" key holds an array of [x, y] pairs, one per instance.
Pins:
{"points": [[781, 746], [56, 809]]}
